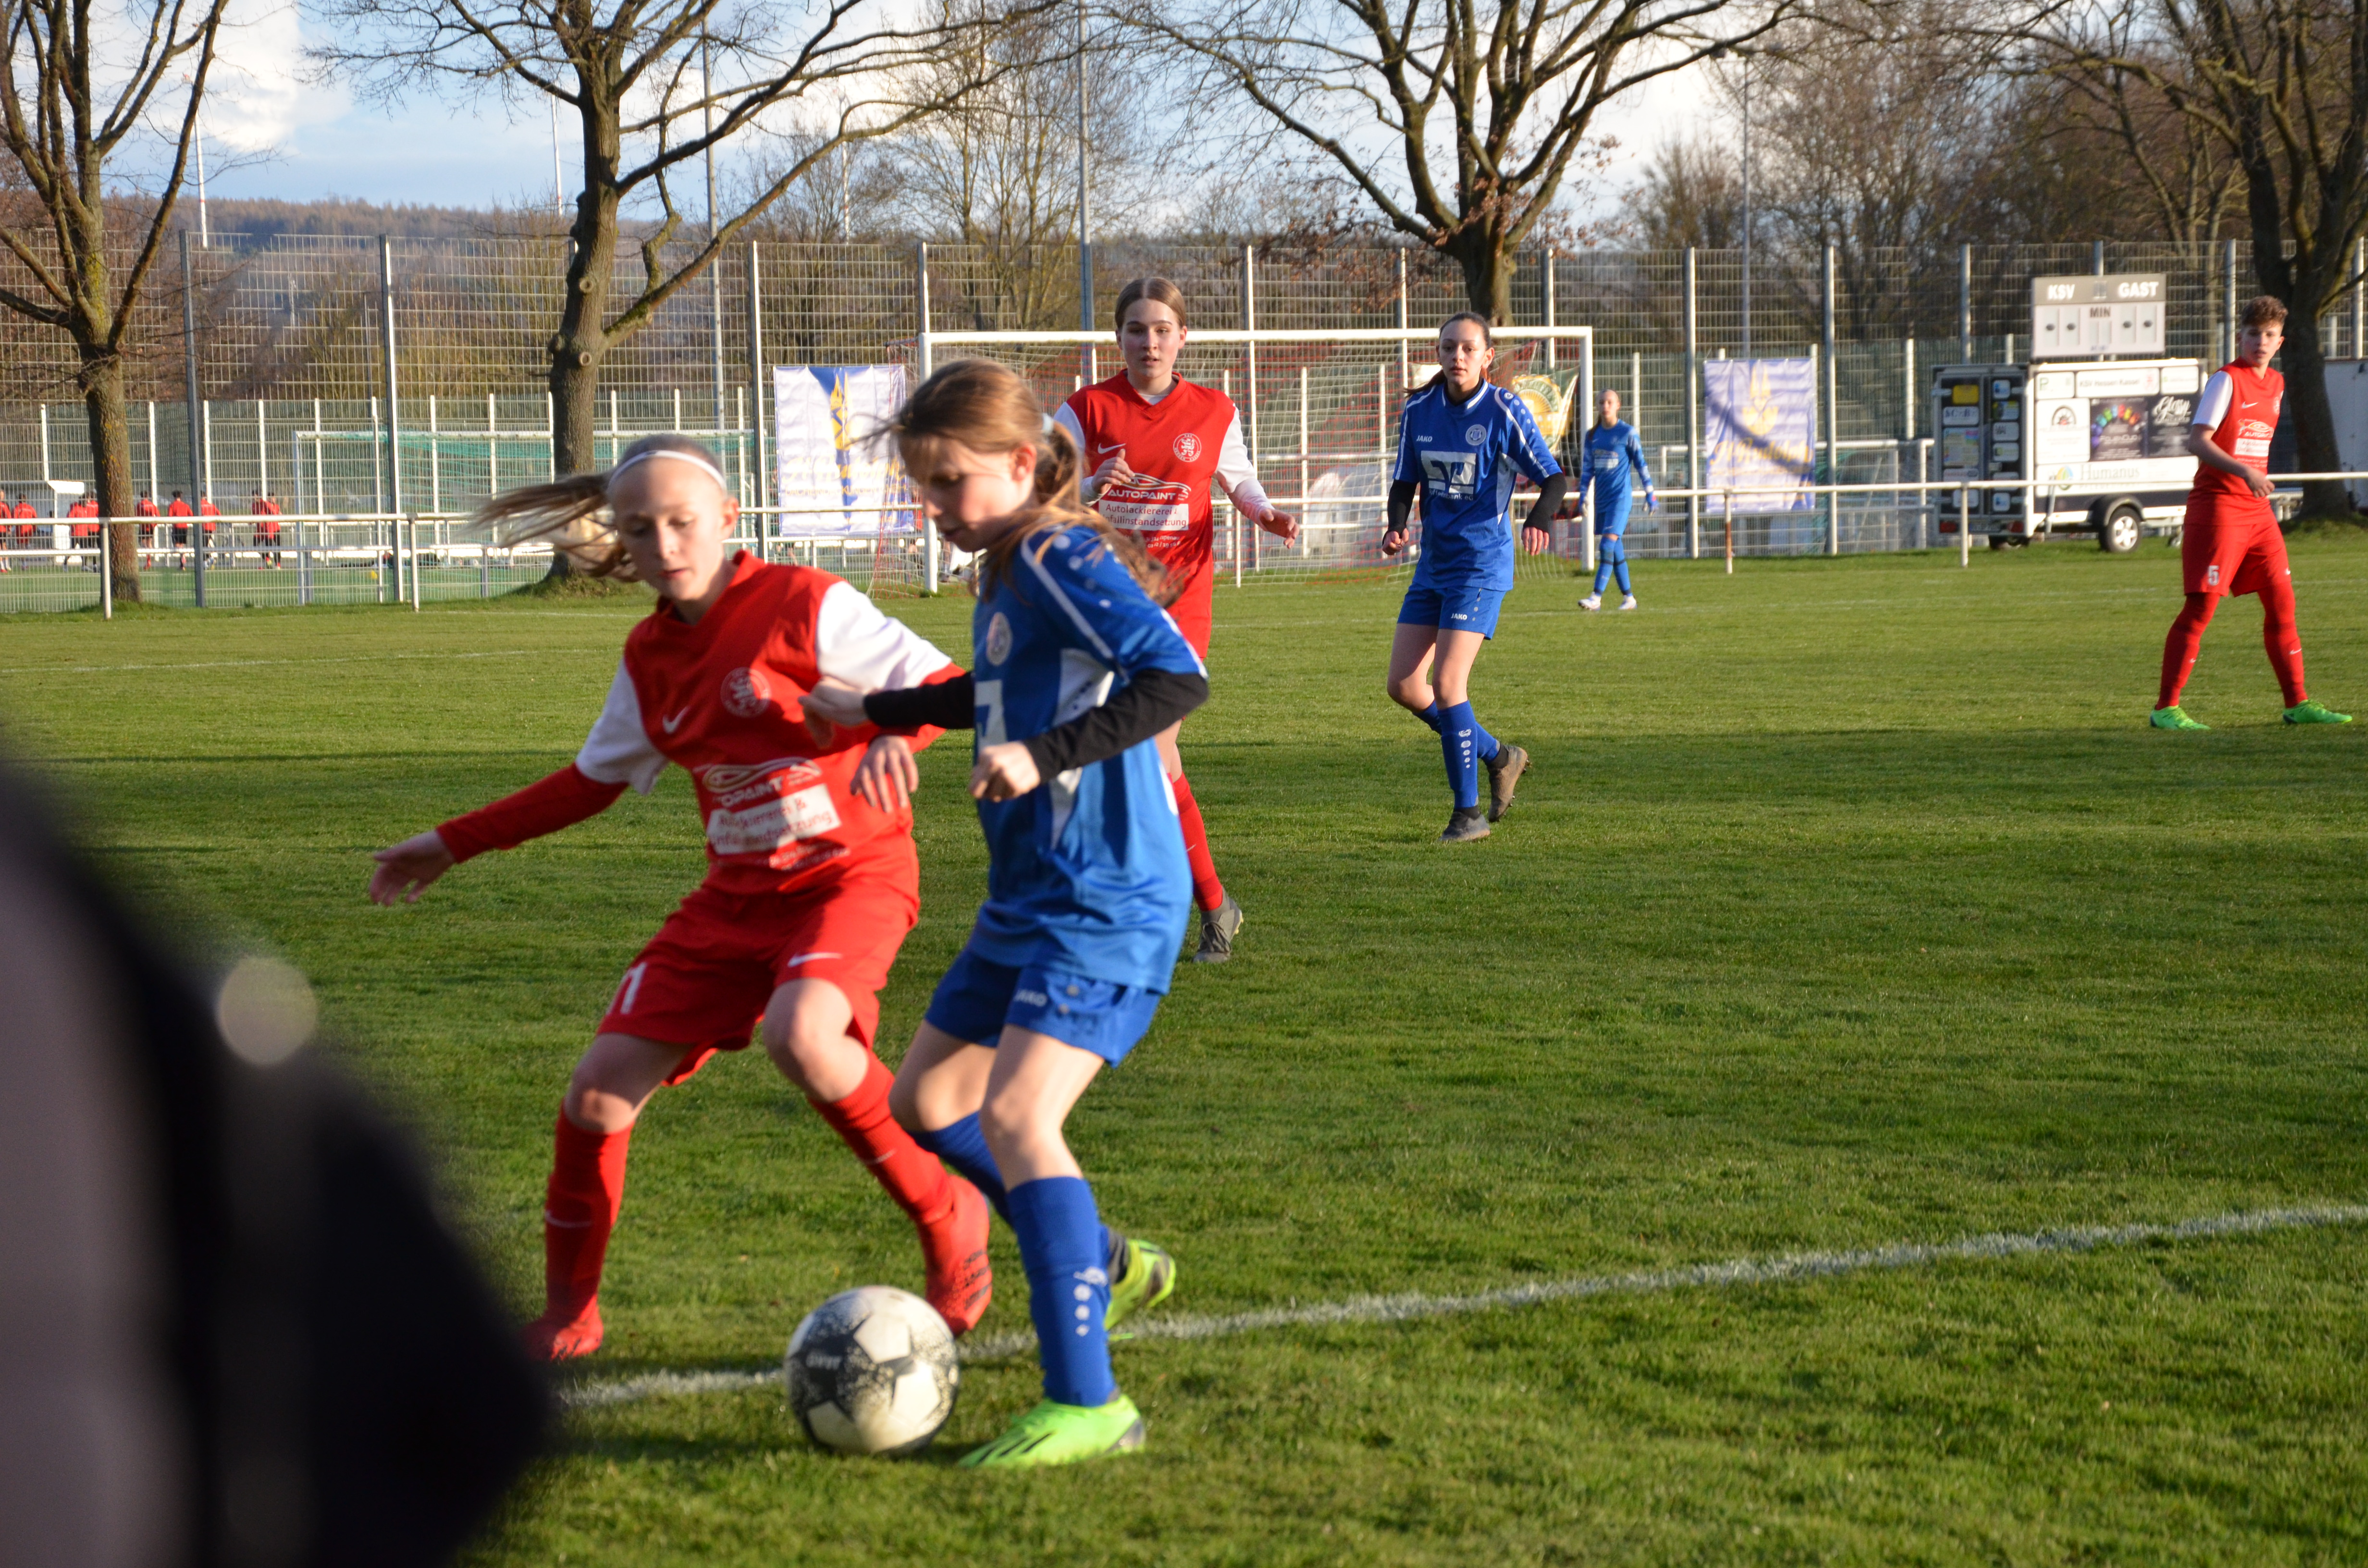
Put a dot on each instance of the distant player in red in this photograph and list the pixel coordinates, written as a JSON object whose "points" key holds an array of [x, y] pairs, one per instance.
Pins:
{"points": [[26, 530], [179, 510], [267, 527], [2230, 542], [1152, 442], [145, 507], [810, 889]]}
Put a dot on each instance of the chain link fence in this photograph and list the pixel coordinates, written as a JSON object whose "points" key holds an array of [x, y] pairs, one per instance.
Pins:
{"points": [[287, 352]]}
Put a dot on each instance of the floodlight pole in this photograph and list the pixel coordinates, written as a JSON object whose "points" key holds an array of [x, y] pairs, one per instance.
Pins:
{"points": [[1085, 198], [189, 363], [1746, 209]]}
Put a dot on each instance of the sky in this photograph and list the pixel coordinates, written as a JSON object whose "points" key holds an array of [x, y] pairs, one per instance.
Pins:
{"points": [[271, 133]]}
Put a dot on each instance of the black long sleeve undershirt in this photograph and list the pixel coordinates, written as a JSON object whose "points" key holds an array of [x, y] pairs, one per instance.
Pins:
{"points": [[1550, 497], [1145, 705]]}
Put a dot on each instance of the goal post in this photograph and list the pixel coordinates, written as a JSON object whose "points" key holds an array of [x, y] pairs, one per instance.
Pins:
{"points": [[1319, 415]]}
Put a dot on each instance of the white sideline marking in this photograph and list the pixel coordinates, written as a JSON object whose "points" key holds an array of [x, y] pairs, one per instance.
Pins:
{"points": [[1778, 1270]]}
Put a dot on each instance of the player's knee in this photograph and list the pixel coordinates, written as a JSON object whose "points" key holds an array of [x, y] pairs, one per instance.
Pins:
{"points": [[1015, 1126], [595, 1107]]}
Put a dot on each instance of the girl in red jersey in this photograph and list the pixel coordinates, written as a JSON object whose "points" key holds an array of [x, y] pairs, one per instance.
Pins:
{"points": [[811, 887], [1152, 442], [2230, 542]]}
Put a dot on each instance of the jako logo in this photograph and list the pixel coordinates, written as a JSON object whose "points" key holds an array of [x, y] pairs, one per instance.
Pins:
{"points": [[746, 693]]}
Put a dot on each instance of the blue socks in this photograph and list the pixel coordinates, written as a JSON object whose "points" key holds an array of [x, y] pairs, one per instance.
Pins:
{"points": [[963, 1146], [1062, 1246], [1463, 743], [1620, 568], [1430, 717]]}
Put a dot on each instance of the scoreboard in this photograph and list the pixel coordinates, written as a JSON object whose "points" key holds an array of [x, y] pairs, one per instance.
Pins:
{"points": [[2089, 317]]}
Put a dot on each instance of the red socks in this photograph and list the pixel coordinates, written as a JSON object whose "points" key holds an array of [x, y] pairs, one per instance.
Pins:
{"points": [[587, 1188], [2283, 641], [2179, 649], [910, 1173], [1207, 890], [2279, 637]]}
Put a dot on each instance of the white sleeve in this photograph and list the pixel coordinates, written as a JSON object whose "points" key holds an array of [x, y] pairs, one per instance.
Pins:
{"points": [[1234, 470], [856, 644], [2212, 406], [618, 751], [1066, 418]]}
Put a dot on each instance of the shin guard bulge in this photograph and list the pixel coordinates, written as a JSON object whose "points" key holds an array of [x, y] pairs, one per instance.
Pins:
{"points": [[1207, 890], [910, 1174], [2281, 638], [1068, 1287], [2179, 649], [580, 1209]]}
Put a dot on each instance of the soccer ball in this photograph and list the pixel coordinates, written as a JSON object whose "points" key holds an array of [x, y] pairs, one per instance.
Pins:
{"points": [[872, 1372]]}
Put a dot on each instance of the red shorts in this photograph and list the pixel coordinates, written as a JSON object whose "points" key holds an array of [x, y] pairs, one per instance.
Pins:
{"points": [[2225, 558], [704, 981], [1195, 609]]}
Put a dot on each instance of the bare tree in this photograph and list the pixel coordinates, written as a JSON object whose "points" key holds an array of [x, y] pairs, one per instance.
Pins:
{"points": [[2282, 86], [1458, 120], [653, 84], [71, 97]]}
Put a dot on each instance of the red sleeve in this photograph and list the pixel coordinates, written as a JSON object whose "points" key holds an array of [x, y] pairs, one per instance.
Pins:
{"points": [[564, 799]]}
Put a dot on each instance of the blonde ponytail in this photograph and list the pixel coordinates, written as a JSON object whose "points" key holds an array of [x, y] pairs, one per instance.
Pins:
{"points": [[573, 512]]}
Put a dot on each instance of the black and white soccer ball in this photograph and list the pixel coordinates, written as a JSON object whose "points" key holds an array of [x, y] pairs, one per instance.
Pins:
{"points": [[873, 1370]]}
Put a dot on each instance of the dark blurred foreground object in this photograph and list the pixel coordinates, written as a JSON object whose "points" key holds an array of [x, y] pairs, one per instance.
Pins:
{"points": [[234, 1333]]}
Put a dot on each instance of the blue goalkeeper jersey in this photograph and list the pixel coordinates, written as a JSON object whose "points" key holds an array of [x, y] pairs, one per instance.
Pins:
{"points": [[1085, 872], [1464, 456], [1613, 456]]}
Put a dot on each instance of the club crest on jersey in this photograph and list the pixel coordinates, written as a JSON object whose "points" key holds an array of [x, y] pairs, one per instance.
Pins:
{"points": [[1188, 445], [1476, 434], [746, 695], [998, 639]]}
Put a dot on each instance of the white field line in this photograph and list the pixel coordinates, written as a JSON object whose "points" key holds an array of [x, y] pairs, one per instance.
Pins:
{"points": [[1784, 1268]]}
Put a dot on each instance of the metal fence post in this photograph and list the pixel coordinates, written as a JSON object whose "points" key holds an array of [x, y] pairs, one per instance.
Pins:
{"points": [[921, 305], [2359, 302], [2229, 306], [189, 370], [1832, 390], [1965, 304], [1964, 525], [393, 382], [1694, 395], [758, 400]]}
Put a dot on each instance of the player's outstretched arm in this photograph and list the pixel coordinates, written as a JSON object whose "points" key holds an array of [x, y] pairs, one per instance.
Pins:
{"points": [[404, 869]]}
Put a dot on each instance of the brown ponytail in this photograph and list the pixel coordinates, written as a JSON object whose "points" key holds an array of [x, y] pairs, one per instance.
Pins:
{"points": [[980, 405], [573, 512]]}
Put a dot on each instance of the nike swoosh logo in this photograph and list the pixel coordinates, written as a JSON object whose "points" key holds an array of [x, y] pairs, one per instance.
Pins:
{"points": [[676, 722], [1106, 451]]}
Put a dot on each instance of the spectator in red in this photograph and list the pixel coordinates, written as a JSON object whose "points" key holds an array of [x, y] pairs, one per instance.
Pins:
{"points": [[7, 536], [208, 511], [266, 526], [179, 508], [145, 507]]}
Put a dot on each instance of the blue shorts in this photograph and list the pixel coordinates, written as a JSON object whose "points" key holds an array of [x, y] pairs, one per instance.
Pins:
{"points": [[1460, 607], [977, 998]]}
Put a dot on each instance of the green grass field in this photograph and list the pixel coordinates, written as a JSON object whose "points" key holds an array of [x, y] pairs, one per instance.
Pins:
{"points": [[1850, 903]]}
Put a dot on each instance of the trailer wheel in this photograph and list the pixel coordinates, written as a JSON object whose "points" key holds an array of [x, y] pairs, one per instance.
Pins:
{"points": [[2123, 526]]}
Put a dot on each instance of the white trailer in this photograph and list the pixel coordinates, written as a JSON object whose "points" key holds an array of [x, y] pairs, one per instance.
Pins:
{"points": [[2101, 442]]}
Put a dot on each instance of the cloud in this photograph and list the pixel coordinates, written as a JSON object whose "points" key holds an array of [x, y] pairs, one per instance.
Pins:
{"points": [[256, 98]]}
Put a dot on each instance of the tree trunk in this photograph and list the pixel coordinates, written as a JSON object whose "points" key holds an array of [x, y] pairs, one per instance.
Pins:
{"points": [[2297, 280], [580, 342], [1479, 250], [110, 446]]}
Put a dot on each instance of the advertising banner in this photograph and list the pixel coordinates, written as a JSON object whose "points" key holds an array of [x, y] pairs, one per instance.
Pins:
{"points": [[1761, 429], [824, 421]]}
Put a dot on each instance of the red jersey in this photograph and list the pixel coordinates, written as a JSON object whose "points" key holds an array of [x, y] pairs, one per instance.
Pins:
{"points": [[144, 507], [2239, 405], [179, 508], [723, 699], [24, 509], [1175, 446]]}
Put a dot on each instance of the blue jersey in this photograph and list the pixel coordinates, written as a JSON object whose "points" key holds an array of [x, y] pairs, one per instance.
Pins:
{"points": [[1612, 455], [1085, 872], [1464, 456]]}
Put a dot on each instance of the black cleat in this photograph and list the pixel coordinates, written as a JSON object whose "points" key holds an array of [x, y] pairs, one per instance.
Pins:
{"points": [[1468, 823], [1505, 770], [1218, 927]]}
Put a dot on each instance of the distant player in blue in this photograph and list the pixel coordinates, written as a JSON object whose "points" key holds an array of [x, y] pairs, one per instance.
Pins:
{"points": [[1612, 457], [1076, 672], [1461, 441]]}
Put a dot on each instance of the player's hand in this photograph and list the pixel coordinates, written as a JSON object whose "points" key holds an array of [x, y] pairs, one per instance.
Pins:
{"points": [[1276, 521], [404, 869], [1392, 540], [1535, 539], [1651, 505], [887, 776], [1114, 471], [1004, 772], [2258, 482], [830, 704]]}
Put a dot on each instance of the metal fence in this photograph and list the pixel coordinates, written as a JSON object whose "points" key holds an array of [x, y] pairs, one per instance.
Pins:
{"points": [[287, 350]]}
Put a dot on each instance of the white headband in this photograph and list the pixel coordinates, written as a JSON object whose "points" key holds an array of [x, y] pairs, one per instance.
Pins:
{"points": [[691, 458]]}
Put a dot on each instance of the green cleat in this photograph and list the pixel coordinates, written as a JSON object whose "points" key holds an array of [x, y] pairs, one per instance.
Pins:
{"points": [[1142, 1276], [2311, 710], [2174, 718], [1062, 1434]]}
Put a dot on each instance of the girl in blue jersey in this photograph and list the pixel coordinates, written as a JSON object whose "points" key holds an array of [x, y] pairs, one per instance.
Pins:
{"points": [[1613, 454], [1077, 670], [1461, 440]]}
